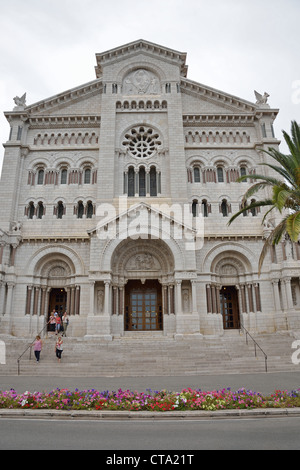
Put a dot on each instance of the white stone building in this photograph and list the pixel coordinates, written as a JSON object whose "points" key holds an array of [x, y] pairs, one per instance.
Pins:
{"points": [[105, 188]]}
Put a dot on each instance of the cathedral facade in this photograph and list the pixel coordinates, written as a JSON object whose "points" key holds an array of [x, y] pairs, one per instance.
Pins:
{"points": [[115, 201]]}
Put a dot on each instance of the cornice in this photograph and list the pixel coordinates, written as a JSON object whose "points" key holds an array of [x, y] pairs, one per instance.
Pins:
{"points": [[58, 122], [218, 119]]}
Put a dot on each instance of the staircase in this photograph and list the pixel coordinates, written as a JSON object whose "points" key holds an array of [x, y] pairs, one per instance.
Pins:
{"points": [[148, 354]]}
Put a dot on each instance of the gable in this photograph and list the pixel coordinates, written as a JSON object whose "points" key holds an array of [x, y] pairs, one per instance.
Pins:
{"points": [[199, 99], [85, 99]]}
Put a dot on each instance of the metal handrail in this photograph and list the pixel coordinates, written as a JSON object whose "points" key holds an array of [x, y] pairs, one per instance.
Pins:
{"points": [[255, 345], [30, 346]]}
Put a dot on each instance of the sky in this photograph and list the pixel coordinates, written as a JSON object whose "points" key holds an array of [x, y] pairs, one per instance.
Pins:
{"points": [[236, 46]]}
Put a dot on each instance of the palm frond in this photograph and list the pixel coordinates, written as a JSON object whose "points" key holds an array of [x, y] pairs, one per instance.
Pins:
{"points": [[293, 226]]}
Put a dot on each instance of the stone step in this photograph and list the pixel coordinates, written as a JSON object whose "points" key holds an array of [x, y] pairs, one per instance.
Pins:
{"points": [[149, 355]]}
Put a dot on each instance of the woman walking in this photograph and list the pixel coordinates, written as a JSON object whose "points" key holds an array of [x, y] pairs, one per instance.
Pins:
{"points": [[65, 320], [58, 348], [37, 347]]}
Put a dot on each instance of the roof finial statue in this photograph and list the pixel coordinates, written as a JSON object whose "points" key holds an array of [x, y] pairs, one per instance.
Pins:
{"points": [[20, 102], [261, 100]]}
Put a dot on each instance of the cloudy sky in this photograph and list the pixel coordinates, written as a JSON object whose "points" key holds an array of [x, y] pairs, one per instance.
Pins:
{"points": [[237, 46]]}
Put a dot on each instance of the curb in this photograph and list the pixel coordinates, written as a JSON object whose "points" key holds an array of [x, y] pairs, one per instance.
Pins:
{"points": [[146, 415]]}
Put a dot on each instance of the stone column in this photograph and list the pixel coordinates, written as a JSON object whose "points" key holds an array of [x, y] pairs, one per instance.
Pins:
{"points": [[77, 300], [2, 297], [288, 290], [92, 298], [277, 305], [106, 298], [250, 297], [178, 298], [194, 296], [208, 298], [72, 304], [36, 300], [165, 300], [10, 287], [171, 299], [243, 298], [43, 300], [28, 300]]}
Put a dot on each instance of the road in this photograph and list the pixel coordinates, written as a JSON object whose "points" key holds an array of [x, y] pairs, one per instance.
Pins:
{"points": [[158, 436]]}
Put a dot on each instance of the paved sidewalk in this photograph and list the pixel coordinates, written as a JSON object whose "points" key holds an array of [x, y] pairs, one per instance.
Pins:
{"points": [[263, 382]]}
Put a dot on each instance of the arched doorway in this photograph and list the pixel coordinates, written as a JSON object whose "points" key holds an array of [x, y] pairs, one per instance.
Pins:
{"points": [[229, 307], [57, 301], [143, 306]]}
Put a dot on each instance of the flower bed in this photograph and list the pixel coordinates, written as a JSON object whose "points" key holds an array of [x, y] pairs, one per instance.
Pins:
{"points": [[186, 400]]}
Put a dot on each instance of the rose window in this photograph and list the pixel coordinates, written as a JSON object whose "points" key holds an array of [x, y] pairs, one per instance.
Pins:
{"points": [[142, 142]]}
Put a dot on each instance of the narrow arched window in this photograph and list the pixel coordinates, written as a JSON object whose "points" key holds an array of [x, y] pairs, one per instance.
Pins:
{"points": [[195, 208], [224, 208], [80, 210], [31, 210], [40, 210], [63, 176], [142, 182], [153, 182], [196, 174], [89, 210], [131, 182], [60, 210], [87, 176], [40, 179], [204, 208], [253, 209], [243, 172], [220, 174]]}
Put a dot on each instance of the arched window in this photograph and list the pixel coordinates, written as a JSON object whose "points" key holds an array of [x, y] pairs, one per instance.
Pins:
{"points": [[60, 210], [195, 208], [40, 179], [224, 208], [220, 174], [87, 176], [40, 210], [254, 209], [243, 172], [153, 181], [142, 182], [196, 174], [131, 182], [80, 210], [31, 210], [204, 208], [63, 176], [89, 210]]}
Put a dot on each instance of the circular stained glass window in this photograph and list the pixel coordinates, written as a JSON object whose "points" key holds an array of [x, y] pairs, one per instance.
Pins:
{"points": [[142, 142]]}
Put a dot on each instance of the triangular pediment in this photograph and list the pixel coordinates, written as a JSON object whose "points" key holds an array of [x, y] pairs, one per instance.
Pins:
{"points": [[136, 47], [141, 219]]}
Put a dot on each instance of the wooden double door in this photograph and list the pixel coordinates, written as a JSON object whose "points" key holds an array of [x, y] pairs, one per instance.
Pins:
{"points": [[229, 307], [143, 306], [57, 301]]}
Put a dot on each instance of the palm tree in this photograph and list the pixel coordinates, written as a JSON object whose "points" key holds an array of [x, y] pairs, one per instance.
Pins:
{"points": [[284, 191]]}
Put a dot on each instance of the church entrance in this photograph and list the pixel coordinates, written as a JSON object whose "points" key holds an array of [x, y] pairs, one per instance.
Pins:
{"points": [[143, 306], [229, 308], [57, 301]]}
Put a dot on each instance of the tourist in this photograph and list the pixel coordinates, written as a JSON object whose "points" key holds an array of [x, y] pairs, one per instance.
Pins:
{"points": [[58, 324], [65, 320], [58, 348], [37, 347], [52, 322]]}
